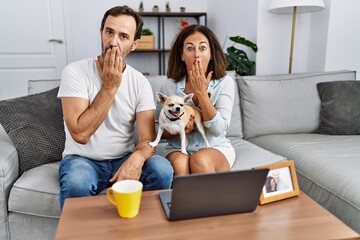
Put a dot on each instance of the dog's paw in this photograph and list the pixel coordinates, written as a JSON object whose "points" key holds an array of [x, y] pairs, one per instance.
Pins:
{"points": [[184, 152], [152, 144]]}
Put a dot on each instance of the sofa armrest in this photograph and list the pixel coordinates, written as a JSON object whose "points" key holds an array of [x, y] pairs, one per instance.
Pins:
{"points": [[9, 173]]}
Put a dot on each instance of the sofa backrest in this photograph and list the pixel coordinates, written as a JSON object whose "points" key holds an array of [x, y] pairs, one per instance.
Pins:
{"points": [[36, 86], [235, 129], [156, 81], [273, 104], [285, 103]]}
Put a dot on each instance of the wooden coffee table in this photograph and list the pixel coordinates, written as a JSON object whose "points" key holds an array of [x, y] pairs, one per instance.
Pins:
{"points": [[295, 218]]}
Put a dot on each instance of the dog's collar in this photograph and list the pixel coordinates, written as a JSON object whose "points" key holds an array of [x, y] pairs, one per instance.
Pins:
{"points": [[174, 119]]}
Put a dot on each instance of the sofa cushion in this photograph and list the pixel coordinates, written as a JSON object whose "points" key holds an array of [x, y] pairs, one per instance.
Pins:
{"points": [[326, 166], [285, 103], [36, 192], [340, 107], [248, 155], [35, 125]]}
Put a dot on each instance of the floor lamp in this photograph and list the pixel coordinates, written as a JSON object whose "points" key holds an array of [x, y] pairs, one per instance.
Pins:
{"points": [[294, 7]]}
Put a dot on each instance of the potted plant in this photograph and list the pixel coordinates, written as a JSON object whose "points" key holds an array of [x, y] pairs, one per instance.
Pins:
{"points": [[167, 7], [155, 8], [147, 40], [141, 6], [146, 32], [237, 59]]}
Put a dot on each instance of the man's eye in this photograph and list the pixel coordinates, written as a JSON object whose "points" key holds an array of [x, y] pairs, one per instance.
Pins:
{"points": [[124, 37], [108, 32]]}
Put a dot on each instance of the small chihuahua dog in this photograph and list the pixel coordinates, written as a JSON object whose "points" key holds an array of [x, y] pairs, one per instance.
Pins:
{"points": [[174, 117]]}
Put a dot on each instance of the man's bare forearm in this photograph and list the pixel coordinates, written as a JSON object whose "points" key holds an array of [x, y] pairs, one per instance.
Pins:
{"points": [[90, 120], [144, 149]]}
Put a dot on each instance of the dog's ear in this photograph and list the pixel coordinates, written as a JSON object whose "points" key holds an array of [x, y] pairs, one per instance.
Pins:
{"points": [[188, 97], [161, 97]]}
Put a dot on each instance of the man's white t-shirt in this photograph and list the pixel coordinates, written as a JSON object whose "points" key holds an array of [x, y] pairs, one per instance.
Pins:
{"points": [[115, 136]]}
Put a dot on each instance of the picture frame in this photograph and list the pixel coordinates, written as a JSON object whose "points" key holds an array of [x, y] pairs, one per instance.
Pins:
{"points": [[281, 182]]}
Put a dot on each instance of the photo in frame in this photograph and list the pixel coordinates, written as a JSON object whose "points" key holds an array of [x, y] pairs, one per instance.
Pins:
{"points": [[281, 182]]}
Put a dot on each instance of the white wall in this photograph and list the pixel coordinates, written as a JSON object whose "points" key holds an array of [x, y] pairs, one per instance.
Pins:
{"points": [[318, 36], [274, 37], [325, 40], [85, 17], [234, 18], [343, 46]]}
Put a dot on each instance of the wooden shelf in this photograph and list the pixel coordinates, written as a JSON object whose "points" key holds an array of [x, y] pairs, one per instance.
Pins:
{"points": [[161, 16], [172, 14]]}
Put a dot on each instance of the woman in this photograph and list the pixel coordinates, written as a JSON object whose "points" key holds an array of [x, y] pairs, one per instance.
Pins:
{"points": [[198, 65], [270, 184]]}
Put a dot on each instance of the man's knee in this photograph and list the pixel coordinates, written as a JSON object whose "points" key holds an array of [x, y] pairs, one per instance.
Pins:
{"points": [[159, 172], [77, 178], [160, 165]]}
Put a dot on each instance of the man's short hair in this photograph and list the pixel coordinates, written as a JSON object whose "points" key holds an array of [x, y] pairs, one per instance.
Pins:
{"points": [[124, 10]]}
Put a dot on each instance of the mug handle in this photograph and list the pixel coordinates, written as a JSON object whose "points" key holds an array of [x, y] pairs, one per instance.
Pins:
{"points": [[110, 196]]}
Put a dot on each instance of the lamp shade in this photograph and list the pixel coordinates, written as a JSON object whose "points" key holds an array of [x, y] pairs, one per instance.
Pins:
{"points": [[303, 6]]}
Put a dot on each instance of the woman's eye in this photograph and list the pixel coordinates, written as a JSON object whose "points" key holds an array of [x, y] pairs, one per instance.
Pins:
{"points": [[190, 49]]}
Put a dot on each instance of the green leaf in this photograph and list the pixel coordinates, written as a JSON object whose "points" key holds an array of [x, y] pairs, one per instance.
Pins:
{"points": [[146, 32], [238, 60], [245, 42]]}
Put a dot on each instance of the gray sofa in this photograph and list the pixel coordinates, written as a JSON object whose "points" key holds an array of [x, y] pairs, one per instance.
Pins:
{"points": [[274, 118]]}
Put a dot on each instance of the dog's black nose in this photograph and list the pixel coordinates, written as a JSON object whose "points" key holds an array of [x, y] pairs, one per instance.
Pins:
{"points": [[177, 109]]}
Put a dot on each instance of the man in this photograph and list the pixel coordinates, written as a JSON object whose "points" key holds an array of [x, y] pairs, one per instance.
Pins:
{"points": [[102, 98]]}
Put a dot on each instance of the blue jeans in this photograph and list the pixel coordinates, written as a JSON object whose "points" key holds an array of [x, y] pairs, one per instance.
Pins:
{"points": [[81, 176]]}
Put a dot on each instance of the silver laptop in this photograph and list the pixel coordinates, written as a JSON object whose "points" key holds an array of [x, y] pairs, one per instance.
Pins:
{"points": [[205, 195]]}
